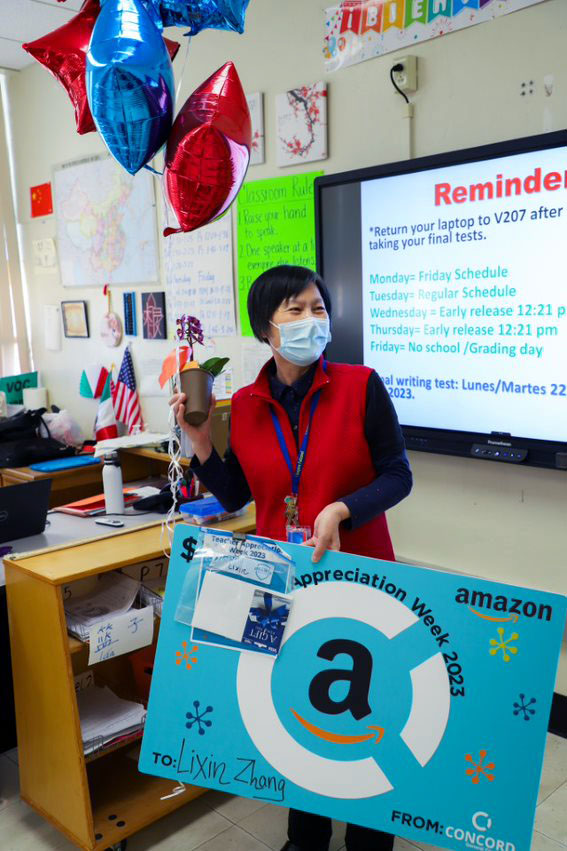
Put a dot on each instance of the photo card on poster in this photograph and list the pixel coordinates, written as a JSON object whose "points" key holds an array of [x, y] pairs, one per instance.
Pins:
{"points": [[153, 316], [301, 125], [256, 107], [75, 319]]}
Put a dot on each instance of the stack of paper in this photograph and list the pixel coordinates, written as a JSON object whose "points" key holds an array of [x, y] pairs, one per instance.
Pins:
{"points": [[130, 441], [106, 718], [114, 595]]}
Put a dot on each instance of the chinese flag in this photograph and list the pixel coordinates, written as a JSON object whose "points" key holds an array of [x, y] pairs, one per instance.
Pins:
{"points": [[41, 200]]}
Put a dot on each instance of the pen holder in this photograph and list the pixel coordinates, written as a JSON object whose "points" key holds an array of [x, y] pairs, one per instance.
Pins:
{"points": [[197, 384]]}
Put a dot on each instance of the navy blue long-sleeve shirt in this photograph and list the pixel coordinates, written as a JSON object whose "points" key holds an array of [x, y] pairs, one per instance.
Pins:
{"points": [[226, 479]]}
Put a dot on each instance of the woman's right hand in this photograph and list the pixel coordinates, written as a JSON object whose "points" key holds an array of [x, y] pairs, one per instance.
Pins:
{"points": [[200, 436]]}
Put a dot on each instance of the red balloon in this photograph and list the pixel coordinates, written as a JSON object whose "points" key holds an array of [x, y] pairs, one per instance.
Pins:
{"points": [[172, 47], [208, 151], [63, 52]]}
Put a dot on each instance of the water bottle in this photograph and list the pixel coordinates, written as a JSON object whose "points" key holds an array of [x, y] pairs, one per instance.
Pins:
{"points": [[112, 484]]}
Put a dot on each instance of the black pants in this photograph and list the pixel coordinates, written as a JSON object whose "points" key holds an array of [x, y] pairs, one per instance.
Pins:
{"points": [[313, 833]]}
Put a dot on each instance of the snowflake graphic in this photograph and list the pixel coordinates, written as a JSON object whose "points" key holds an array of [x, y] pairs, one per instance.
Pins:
{"points": [[479, 768], [503, 644], [524, 707], [198, 718], [183, 656]]}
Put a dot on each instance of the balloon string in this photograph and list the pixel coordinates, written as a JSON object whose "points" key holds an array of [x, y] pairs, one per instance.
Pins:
{"points": [[174, 470], [182, 74]]}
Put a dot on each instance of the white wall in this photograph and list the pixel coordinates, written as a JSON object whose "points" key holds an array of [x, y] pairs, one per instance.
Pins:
{"points": [[471, 516]]}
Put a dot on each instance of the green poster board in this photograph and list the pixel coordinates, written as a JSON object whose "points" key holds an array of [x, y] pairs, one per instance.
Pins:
{"points": [[13, 386], [276, 224]]}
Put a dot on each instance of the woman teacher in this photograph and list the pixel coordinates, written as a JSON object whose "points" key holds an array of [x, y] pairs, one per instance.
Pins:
{"points": [[315, 444]]}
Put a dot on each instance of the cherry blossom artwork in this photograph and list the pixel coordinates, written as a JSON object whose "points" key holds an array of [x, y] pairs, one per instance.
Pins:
{"points": [[301, 125], [256, 107]]}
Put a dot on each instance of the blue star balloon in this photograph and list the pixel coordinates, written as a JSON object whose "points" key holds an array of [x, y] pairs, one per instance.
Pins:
{"points": [[130, 85], [202, 14]]}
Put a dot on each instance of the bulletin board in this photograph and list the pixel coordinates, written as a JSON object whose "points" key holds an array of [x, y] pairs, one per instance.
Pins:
{"points": [[275, 224]]}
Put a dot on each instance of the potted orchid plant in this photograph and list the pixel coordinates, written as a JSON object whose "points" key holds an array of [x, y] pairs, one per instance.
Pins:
{"points": [[195, 379]]}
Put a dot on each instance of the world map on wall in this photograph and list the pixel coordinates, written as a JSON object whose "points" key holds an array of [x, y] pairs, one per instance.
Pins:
{"points": [[106, 225]]}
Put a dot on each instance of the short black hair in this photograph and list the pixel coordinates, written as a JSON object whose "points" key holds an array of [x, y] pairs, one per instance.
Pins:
{"points": [[275, 286]]}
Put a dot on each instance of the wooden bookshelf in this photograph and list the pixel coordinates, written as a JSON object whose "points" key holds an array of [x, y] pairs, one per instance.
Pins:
{"points": [[99, 800]]}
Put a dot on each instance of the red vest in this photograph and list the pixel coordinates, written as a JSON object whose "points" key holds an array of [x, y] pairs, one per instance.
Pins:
{"points": [[338, 459]]}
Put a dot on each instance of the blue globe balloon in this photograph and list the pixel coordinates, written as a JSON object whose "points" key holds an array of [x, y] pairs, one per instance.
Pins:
{"points": [[130, 85]]}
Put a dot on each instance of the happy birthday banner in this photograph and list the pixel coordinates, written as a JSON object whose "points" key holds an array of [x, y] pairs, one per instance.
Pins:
{"points": [[404, 699], [356, 30]]}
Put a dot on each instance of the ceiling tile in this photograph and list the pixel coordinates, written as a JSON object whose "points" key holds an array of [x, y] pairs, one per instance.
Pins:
{"points": [[12, 56], [74, 5], [26, 20]]}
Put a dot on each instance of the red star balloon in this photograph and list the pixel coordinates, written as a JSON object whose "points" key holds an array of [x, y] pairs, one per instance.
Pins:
{"points": [[208, 151], [63, 52], [172, 47]]}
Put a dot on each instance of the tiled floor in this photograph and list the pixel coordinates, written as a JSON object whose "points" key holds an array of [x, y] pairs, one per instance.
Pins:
{"points": [[218, 822]]}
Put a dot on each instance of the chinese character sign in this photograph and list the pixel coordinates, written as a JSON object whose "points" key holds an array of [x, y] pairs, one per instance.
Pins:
{"points": [[356, 30], [403, 699], [119, 634], [153, 316]]}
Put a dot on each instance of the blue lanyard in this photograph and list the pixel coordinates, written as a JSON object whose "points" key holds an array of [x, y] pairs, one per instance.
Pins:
{"points": [[295, 477]]}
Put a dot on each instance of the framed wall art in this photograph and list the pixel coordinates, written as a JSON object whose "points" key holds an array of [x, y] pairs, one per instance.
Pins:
{"points": [[75, 319]]}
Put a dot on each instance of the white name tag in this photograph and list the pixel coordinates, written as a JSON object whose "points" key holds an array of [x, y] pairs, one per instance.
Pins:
{"points": [[121, 634]]}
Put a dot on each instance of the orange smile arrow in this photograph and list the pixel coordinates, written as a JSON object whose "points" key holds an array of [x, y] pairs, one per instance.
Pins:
{"points": [[336, 737], [512, 617]]}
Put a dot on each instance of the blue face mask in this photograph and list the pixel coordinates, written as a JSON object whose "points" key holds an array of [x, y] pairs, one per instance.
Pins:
{"points": [[303, 342]]}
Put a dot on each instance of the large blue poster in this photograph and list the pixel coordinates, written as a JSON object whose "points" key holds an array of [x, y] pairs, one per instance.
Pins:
{"points": [[405, 699]]}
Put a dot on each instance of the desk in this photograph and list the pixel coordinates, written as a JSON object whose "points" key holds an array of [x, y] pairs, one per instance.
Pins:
{"points": [[80, 482], [75, 483], [64, 530], [98, 801]]}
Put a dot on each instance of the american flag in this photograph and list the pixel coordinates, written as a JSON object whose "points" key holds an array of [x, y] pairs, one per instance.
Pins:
{"points": [[125, 396]]}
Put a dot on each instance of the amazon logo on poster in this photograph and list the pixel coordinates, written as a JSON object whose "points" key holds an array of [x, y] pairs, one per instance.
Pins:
{"points": [[507, 608], [356, 700], [327, 703]]}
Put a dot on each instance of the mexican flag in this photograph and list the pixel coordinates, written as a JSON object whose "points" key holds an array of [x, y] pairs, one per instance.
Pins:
{"points": [[105, 424], [93, 381]]}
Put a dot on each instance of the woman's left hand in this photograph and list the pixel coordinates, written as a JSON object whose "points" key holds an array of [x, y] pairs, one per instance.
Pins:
{"points": [[326, 530]]}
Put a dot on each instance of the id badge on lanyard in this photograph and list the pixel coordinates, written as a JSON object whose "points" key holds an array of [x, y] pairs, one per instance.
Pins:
{"points": [[292, 501]]}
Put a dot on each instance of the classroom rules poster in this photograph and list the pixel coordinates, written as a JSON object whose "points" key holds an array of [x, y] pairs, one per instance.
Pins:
{"points": [[405, 699]]}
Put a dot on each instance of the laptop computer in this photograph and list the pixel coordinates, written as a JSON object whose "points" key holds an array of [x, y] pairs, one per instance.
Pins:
{"points": [[23, 509]]}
